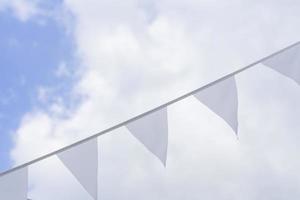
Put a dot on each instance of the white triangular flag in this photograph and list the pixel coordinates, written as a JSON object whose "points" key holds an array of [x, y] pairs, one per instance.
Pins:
{"points": [[286, 63], [13, 186], [152, 131], [82, 161], [222, 99]]}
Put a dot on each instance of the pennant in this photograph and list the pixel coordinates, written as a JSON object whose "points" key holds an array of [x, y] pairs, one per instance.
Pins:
{"points": [[82, 161], [286, 63], [13, 186], [152, 131], [222, 99]]}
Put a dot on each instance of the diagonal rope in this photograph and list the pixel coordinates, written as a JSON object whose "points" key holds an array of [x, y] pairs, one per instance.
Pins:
{"points": [[148, 112]]}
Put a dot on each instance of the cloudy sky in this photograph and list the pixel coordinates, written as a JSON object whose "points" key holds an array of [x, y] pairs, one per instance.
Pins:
{"points": [[72, 68]]}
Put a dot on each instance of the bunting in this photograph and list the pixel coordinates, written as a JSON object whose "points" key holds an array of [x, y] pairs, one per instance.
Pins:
{"points": [[286, 63], [82, 161], [13, 186], [152, 131], [150, 128], [222, 99]]}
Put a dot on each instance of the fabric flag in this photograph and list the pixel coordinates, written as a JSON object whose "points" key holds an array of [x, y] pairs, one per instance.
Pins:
{"points": [[286, 63], [13, 186], [152, 131], [222, 99], [82, 161]]}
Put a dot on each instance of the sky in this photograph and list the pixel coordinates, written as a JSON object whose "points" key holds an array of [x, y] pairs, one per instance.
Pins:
{"points": [[72, 68], [31, 51]]}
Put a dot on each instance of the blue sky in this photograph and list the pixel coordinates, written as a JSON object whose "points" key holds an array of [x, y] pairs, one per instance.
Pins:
{"points": [[30, 55]]}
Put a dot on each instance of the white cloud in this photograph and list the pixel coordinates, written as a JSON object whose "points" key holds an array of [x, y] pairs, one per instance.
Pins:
{"points": [[25, 10], [22, 9], [135, 56]]}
